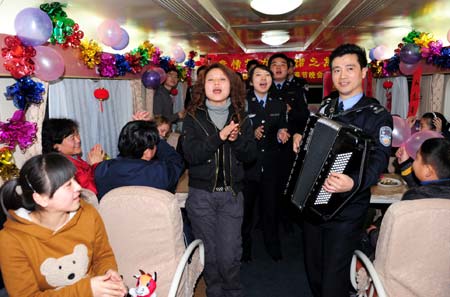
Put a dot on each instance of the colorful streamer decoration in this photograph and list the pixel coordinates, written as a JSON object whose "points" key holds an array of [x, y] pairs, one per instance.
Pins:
{"points": [[18, 57], [8, 169], [25, 92], [18, 131]]}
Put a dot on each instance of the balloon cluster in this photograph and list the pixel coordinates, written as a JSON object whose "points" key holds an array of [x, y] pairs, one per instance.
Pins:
{"points": [[414, 47], [401, 136], [111, 34]]}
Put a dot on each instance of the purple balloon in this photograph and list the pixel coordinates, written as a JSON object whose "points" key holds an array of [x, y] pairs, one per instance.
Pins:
{"points": [[410, 54], [123, 42], [33, 26], [371, 54], [408, 69], [49, 64], [151, 79], [414, 142], [401, 131]]}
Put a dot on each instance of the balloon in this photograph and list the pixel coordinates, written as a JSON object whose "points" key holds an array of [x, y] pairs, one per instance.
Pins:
{"points": [[408, 69], [123, 42], [448, 36], [151, 79], [162, 74], [410, 54], [401, 131], [33, 26], [380, 52], [178, 54], [371, 52], [49, 65], [414, 142], [109, 32]]}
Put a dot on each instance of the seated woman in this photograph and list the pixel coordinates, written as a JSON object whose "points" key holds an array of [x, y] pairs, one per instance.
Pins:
{"points": [[53, 243], [144, 160], [61, 135]]}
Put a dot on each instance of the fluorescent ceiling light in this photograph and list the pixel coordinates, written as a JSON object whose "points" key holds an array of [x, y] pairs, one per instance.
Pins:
{"points": [[275, 37], [275, 7]]}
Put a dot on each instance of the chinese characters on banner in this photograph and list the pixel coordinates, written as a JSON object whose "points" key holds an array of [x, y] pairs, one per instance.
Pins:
{"points": [[309, 65]]}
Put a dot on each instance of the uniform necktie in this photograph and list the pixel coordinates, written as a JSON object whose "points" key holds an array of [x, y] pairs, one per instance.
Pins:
{"points": [[279, 86], [261, 102], [341, 106]]}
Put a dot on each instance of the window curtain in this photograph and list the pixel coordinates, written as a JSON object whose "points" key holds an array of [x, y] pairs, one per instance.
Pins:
{"points": [[400, 94], [432, 94], [74, 99]]}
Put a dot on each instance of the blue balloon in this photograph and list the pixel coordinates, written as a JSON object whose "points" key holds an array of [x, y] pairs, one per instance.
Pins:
{"points": [[151, 79], [123, 42], [33, 26], [371, 56]]}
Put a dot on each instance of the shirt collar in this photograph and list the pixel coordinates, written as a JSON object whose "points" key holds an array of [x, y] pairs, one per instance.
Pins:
{"points": [[264, 98], [350, 102]]}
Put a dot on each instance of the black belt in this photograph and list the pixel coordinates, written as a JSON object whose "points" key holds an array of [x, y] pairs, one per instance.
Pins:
{"points": [[223, 189]]}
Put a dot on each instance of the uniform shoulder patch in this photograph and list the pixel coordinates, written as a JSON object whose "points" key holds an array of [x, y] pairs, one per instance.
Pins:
{"points": [[385, 136]]}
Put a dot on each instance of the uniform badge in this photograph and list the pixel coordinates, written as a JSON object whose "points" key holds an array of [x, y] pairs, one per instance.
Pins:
{"points": [[385, 135]]}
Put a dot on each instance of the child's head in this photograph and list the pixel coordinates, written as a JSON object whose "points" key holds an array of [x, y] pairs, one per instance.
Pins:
{"points": [[43, 175], [172, 78], [427, 121], [217, 84], [163, 125], [61, 135], [433, 160]]}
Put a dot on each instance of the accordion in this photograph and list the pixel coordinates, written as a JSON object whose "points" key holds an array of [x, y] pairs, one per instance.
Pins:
{"points": [[327, 146]]}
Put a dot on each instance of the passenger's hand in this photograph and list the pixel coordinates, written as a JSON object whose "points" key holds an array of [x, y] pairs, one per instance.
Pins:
{"points": [[182, 114], [102, 286], [297, 138], [283, 135], [437, 122], [259, 132], [141, 116], [234, 134], [226, 131], [338, 183], [411, 120], [96, 154], [401, 154], [114, 276]]}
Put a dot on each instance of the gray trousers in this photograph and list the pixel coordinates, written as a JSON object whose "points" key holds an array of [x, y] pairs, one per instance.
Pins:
{"points": [[216, 219]]}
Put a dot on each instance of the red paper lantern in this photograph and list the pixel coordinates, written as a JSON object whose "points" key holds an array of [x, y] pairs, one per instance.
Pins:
{"points": [[388, 84], [101, 94], [174, 92]]}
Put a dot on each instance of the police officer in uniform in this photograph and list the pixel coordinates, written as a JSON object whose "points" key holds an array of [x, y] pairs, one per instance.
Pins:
{"points": [[268, 117], [329, 246]]}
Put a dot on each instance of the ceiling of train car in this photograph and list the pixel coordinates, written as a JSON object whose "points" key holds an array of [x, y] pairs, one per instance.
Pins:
{"points": [[232, 26]]}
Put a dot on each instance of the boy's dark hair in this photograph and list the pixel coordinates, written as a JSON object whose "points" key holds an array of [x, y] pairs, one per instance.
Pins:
{"points": [[349, 48], [54, 131], [259, 66], [136, 137], [430, 116], [42, 174], [251, 63], [436, 152], [200, 69], [278, 55]]}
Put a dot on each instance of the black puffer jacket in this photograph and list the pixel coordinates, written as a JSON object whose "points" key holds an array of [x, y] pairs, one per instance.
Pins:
{"points": [[201, 149], [438, 189]]}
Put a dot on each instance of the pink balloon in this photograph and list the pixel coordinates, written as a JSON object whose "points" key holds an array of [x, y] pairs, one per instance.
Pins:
{"points": [[49, 65], [178, 54], [162, 74], [408, 69], [448, 35], [414, 142], [380, 52], [123, 42], [109, 32], [401, 131]]}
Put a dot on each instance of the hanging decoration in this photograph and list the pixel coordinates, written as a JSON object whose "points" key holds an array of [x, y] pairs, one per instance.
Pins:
{"points": [[25, 92], [90, 53], [17, 131], [387, 85], [101, 94], [174, 92], [8, 169], [18, 57], [415, 46]]}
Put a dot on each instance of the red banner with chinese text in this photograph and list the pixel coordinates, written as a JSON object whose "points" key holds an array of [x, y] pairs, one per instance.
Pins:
{"points": [[309, 65]]}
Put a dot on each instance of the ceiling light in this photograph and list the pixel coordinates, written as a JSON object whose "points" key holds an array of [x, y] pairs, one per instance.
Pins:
{"points": [[275, 7], [275, 37]]}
